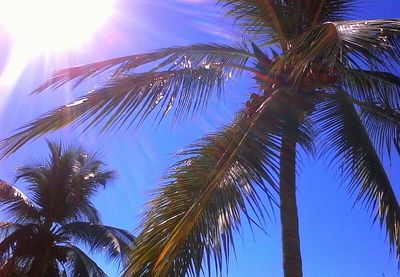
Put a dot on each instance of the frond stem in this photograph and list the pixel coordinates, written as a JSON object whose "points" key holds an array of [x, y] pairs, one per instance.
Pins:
{"points": [[277, 26], [318, 13], [375, 109]]}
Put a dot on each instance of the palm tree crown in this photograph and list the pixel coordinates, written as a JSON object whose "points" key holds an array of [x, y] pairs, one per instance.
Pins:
{"points": [[320, 77], [44, 226]]}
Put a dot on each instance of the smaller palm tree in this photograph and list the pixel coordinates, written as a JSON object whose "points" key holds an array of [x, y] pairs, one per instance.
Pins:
{"points": [[43, 230]]}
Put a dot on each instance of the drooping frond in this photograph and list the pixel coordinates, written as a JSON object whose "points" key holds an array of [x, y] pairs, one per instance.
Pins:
{"points": [[382, 124], [16, 204], [79, 264], [189, 225], [378, 95], [115, 243], [11, 267], [6, 228], [18, 243], [343, 134], [41, 267], [379, 87]]}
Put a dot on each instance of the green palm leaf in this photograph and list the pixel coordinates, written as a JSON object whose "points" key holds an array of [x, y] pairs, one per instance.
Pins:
{"points": [[353, 44], [193, 216], [376, 86], [130, 97], [19, 242], [344, 134], [115, 242], [382, 124], [79, 264], [378, 95], [268, 21], [6, 228], [16, 203], [197, 55]]}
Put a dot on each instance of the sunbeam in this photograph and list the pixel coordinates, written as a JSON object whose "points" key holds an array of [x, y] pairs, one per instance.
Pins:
{"points": [[48, 28]]}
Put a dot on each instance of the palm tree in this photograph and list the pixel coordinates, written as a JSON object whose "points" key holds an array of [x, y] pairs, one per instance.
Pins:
{"points": [[324, 83], [44, 227]]}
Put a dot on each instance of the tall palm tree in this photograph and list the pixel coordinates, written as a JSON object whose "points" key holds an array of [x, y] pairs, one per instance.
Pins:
{"points": [[47, 224], [324, 83]]}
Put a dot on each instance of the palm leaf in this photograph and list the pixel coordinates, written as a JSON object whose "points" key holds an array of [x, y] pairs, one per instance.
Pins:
{"points": [[255, 20], [344, 135], [323, 11], [116, 243], [196, 55], [16, 204], [6, 228], [376, 86], [268, 21], [382, 124], [192, 218], [372, 42], [133, 97], [79, 264], [19, 242], [354, 44], [378, 95]]}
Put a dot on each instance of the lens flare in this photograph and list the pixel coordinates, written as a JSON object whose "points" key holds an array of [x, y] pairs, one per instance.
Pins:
{"points": [[53, 25], [48, 27]]}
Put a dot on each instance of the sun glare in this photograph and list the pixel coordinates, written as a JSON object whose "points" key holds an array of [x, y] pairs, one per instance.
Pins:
{"points": [[48, 28], [53, 25]]}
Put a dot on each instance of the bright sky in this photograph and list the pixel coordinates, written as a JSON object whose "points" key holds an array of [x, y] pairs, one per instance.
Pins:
{"points": [[337, 240]]}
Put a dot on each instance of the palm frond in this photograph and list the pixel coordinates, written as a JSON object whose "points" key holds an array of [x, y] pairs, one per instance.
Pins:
{"points": [[321, 11], [372, 42], [129, 98], [6, 228], [378, 95], [372, 86], [344, 135], [16, 204], [19, 242], [254, 18], [115, 243], [190, 222], [382, 124], [37, 268], [79, 264], [354, 44], [9, 267], [268, 21], [171, 58]]}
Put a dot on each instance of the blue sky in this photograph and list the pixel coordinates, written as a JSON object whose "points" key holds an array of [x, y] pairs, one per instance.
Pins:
{"points": [[337, 239]]}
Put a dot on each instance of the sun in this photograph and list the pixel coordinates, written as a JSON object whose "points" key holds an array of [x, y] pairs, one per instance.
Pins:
{"points": [[42, 26], [47, 28]]}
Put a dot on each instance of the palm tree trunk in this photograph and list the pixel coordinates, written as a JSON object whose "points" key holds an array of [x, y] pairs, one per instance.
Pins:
{"points": [[292, 266]]}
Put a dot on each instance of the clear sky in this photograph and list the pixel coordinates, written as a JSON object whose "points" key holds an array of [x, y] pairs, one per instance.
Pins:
{"points": [[337, 239]]}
